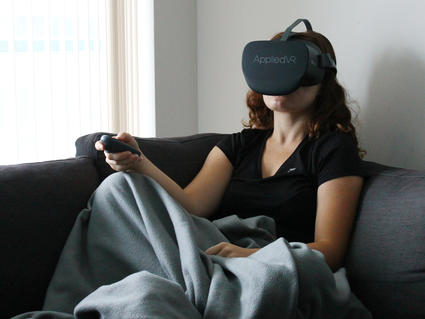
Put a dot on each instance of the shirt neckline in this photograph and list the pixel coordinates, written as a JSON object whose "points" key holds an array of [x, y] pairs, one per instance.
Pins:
{"points": [[261, 152]]}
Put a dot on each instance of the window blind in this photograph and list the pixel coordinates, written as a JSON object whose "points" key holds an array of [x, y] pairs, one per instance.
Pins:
{"points": [[62, 76]]}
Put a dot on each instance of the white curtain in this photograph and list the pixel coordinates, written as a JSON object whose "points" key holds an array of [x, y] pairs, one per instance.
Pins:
{"points": [[70, 68]]}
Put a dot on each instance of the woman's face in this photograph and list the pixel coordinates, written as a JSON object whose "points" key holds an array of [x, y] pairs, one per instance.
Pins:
{"points": [[298, 101]]}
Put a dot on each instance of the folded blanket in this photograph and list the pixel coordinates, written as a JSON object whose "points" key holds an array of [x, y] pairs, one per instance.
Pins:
{"points": [[135, 252]]}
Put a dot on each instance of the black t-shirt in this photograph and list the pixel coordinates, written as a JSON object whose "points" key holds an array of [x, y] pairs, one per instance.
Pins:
{"points": [[289, 196]]}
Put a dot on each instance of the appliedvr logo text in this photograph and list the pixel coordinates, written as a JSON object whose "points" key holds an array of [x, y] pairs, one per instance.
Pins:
{"points": [[274, 59]]}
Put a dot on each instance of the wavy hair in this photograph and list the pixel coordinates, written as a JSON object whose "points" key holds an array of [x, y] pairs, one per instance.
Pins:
{"points": [[331, 110]]}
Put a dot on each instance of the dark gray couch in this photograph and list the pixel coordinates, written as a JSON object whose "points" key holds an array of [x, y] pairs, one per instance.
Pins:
{"points": [[40, 201]]}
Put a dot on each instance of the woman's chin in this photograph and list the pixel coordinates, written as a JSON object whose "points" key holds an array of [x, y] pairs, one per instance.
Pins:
{"points": [[281, 104], [279, 100]]}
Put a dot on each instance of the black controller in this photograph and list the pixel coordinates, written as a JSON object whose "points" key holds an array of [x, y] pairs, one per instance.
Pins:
{"points": [[112, 145]]}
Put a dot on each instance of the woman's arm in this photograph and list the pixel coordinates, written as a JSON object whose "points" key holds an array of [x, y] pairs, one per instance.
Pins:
{"points": [[336, 209], [127, 162]]}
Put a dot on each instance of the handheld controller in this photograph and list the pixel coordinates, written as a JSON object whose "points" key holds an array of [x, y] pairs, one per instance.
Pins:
{"points": [[112, 145]]}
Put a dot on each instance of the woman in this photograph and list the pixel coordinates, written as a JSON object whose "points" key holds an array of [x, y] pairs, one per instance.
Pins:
{"points": [[298, 162], [135, 252]]}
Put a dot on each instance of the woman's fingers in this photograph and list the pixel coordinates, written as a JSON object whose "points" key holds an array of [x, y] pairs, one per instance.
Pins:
{"points": [[128, 138], [123, 137], [99, 146], [122, 161], [118, 156], [214, 250]]}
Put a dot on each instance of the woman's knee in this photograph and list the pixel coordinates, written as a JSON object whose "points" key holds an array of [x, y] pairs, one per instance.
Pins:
{"points": [[122, 180], [121, 188], [124, 177]]}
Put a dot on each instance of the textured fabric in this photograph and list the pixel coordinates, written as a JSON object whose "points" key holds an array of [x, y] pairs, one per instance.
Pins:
{"points": [[290, 195], [386, 258], [134, 252]]}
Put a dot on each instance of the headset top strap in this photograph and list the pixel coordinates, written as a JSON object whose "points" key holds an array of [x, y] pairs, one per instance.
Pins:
{"points": [[288, 32]]}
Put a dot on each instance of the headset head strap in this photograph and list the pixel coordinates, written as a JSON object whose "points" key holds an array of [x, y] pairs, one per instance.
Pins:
{"points": [[288, 30]]}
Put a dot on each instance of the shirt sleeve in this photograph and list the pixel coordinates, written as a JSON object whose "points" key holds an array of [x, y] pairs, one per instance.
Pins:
{"points": [[231, 145], [337, 157]]}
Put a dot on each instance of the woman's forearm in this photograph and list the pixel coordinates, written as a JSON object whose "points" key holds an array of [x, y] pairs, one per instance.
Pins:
{"points": [[326, 249], [146, 167]]}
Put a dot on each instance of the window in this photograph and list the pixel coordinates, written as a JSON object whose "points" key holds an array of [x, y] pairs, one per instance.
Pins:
{"points": [[71, 68]]}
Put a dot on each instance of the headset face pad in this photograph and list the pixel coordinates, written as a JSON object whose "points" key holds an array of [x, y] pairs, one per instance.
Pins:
{"points": [[279, 67]]}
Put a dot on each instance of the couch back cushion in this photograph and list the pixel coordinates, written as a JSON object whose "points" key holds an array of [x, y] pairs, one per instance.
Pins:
{"points": [[39, 204], [386, 260], [180, 158]]}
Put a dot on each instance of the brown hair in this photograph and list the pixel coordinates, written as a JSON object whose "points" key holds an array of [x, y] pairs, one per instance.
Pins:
{"points": [[331, 110]]}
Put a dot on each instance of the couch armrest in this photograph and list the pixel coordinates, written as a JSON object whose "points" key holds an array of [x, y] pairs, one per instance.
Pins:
{"points": [[39, 204]]}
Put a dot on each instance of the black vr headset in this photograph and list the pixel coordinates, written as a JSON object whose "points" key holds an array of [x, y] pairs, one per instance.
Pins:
{"points": [[280, 66]]}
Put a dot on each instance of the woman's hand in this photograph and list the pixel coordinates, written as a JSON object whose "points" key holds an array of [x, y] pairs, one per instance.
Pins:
{"points": [[225, 249], [123, 161]]}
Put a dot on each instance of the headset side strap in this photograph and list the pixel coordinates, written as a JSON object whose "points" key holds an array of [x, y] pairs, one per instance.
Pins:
{"points": [[326, 61]]}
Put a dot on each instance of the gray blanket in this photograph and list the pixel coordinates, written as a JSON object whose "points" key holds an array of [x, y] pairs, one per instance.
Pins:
{"points": [[135, 252]]}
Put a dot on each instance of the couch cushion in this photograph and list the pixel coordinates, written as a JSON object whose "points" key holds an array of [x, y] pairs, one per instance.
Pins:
{"points": [[39, 204], [180, 158], [386, 259]]}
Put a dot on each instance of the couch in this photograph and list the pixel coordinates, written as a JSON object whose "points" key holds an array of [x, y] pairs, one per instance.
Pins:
{"points": [[39, 202]]}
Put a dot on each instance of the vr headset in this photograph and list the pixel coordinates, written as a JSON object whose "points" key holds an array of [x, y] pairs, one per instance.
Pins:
{"points": [[280, 66]]}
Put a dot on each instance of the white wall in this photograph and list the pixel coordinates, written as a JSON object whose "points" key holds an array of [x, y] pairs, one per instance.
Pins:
{"points": [[380, 50], [175, 67]]}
